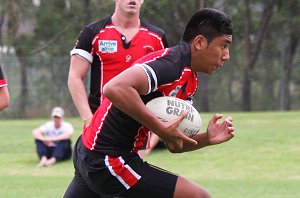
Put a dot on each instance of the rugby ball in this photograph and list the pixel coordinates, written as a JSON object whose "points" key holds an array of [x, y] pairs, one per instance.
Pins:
{"points": [[168, 108]]}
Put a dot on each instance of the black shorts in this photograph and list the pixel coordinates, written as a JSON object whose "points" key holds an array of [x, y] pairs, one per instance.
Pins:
{"points": [[124, 176]]}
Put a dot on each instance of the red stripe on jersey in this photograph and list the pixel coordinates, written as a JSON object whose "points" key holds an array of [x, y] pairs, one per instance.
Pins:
{"points": [[140, 138], [153, 56], [3, 83], [124, 173], [101, 81], [90, 133], [157, 36], [184, 87]]}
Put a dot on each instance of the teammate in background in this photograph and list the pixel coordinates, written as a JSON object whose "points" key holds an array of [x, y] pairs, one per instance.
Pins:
{"points": [[53, 139], [4, 94], [109, 46], [105, 157]]}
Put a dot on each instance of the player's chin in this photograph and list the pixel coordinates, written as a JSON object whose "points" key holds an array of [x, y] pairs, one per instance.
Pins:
{"points": [[211, 71], [132, 9], [214, 69], [132, 12]]}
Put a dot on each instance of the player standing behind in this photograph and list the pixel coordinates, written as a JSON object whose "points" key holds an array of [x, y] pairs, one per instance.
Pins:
{"points": [[109, 46], [4, 94], [105, 156]]}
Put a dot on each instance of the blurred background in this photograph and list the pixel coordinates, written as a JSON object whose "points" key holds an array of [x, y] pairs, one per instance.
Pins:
{"points": [[36, 37]]}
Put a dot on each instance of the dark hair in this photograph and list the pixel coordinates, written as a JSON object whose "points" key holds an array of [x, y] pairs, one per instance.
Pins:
{"points": [[209, 23]]}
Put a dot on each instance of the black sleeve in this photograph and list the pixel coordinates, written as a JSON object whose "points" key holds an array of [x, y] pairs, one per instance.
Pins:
{"points": [[166, 70], [85, 40], [87, 35], [162, 71]]}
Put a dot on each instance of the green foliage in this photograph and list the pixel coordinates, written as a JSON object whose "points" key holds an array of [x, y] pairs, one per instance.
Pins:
{"points": [[48, 32]]}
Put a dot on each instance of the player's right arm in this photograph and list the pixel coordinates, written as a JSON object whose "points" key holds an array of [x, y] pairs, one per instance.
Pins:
{"points": [[78, 70], [124, 92], [81, 58]]}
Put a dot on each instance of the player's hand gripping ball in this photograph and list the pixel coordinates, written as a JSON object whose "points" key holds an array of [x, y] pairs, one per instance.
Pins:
{"points": [[169, 108]]}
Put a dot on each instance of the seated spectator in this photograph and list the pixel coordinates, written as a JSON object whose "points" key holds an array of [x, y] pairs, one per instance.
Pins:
{"points": [[53, 139]]}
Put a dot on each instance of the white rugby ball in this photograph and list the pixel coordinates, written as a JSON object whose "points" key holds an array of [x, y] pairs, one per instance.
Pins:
{"points": [[168, 108]]}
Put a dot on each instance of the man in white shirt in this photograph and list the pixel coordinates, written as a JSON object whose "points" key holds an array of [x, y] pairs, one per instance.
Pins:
{"points": [[53, 139]]}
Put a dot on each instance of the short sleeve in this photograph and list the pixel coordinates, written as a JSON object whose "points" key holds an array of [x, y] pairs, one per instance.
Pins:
{"points": [[84, 45]]}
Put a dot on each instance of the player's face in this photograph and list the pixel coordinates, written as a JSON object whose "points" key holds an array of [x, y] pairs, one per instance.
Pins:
{"points": [[129, 6], [214, 54]]}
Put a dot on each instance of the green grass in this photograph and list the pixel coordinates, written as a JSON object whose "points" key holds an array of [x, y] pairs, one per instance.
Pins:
{"points": [[262, 161]]}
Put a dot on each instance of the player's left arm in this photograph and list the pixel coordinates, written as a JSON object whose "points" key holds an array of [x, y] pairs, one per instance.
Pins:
{"points": [[217, 132]]}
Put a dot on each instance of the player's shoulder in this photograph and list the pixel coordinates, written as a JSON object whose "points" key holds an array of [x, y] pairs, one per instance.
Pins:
{"points": [[152, 28], [176, 57], [96, 26]]}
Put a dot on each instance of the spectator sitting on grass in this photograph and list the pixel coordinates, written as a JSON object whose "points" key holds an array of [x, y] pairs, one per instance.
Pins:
{"points": [[53, 139]]}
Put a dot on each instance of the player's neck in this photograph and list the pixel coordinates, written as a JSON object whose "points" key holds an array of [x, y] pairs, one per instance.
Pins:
{"points": [[124, 21]]}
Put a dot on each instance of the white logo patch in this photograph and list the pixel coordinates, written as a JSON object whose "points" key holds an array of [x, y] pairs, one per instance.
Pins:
{"points": [[108, 46]]}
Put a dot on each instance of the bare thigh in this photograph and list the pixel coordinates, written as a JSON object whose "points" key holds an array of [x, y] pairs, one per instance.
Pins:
{"points": [[187, 188]]}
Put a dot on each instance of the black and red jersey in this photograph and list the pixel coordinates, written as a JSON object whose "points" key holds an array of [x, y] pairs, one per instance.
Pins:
{"points": [[107, 50], [2, 79], [169, 74]]}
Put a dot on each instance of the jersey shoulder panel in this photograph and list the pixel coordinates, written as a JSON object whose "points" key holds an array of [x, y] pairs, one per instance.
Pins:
{"points": [[84, 44], [96, 27], [166, 66], [152, 28], [90, 31], [156, 30]]}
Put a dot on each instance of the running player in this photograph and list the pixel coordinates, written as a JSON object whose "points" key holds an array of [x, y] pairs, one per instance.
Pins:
{"points": [[106, 159]]}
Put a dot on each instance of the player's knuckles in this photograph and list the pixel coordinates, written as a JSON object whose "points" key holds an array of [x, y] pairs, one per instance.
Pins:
{"points": [[228, 122]]}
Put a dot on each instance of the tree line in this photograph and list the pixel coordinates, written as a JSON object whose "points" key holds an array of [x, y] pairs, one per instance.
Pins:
{"points": [[262, 74]]}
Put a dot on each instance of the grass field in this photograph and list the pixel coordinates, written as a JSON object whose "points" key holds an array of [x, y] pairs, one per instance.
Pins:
{"points": [[262, 161]]}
